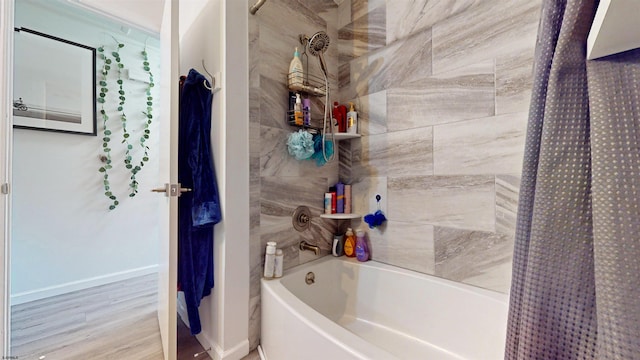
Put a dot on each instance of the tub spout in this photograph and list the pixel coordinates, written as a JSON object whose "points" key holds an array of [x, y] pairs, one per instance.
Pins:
{"points": [[306, 246]]}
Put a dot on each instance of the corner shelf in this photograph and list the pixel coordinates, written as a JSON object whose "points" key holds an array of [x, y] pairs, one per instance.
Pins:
{"points": [[340, 216]]}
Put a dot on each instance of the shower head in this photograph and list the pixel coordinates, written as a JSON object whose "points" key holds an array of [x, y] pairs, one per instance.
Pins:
{"points": [[318, 44]]}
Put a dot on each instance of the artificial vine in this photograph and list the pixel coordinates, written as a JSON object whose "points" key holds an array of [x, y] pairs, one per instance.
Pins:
{"points": [[126, 134], [106, 132], [149, 113]]}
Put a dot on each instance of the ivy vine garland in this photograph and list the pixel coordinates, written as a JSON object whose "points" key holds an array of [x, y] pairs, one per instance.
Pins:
{"points": [[126, 134], [106, 132]]}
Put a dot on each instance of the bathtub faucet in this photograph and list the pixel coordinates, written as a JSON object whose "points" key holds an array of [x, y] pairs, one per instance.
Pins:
{"points": [[306, 246]]}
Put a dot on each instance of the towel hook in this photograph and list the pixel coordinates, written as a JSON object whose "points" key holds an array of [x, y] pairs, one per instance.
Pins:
{"points": [[213, 82]]}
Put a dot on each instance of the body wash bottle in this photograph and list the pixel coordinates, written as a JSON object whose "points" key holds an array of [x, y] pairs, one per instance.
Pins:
{"points": [[297, 111], [352, 120], [362, 248], [296, 71], [349, 243]]}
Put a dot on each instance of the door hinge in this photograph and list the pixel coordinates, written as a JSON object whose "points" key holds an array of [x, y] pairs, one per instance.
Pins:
{"points": [[4, 188]]}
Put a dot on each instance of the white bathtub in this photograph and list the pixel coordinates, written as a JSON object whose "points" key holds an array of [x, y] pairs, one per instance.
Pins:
{"points": [[376, 311]]}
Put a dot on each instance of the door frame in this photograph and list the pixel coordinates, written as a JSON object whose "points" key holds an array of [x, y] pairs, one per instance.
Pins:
{"points": [[6, 139]]}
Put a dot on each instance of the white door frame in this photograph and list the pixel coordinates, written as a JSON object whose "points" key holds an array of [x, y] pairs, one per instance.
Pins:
{"points": [[6, 139]]}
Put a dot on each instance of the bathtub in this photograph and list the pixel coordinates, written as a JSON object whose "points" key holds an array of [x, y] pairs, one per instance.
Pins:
{"points": [[375, 311]]}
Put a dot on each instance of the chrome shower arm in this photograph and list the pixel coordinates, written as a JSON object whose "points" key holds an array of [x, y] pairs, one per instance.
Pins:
{"points": [[254, 9]]}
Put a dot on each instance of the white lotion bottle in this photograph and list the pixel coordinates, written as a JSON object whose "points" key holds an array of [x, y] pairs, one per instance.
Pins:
{"points": [[352, 120], [270, 260], [279, 259], [296, 72]]}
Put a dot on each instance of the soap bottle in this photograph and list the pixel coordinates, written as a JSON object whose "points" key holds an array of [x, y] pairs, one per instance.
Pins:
{"points": [[362, 248], [279, 259], [296, 71], [306, 112], [270, 260], [349, 243], [297, 111], [352, 120]]}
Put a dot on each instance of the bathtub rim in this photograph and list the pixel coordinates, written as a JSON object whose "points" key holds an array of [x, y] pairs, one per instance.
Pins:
{"points": [[345, 339]]}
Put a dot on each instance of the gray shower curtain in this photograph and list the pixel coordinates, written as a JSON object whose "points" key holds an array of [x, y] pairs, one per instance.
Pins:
{"points": [[575, 292]]}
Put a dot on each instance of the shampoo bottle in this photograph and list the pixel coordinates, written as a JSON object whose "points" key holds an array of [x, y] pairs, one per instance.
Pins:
{"points": [[279, 260], [362, 248], [349, 243], [297, 111], [270, 260], [296, 71], [306, 112], [352, 120]]}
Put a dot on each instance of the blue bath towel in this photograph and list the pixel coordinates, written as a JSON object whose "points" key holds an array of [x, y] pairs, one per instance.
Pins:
{"points": [[199, 209]]}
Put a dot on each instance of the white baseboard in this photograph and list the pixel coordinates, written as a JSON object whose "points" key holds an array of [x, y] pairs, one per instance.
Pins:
{"points": [[236, 352], [31, 295]]}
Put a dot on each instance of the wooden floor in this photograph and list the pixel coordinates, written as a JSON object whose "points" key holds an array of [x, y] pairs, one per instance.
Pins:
{"points": [[114, 321]]}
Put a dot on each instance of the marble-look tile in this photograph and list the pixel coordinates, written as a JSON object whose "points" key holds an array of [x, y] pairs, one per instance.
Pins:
{"points": [[281, 22], [254, 52], [457, 201], [344, 13], [360, 8], [474, 257], [274, 103], [507, 193], [364, 34], [467, 93], [372, 113], [405, 17], [319, 6], [363, 195], [404, 244], [344, 77], [345, 161], [493, 145], [276, 161], [396, 153], [402, 62], [254, 120], [514, 81], [480, 33], [277, 207], [254, 322]]}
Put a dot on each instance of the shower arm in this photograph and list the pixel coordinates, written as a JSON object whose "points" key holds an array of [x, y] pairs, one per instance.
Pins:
{"points": [[254, 9]]}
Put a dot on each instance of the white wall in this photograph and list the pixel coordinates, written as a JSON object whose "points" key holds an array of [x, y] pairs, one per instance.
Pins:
{"points": [[217, 31], [64, 237]]}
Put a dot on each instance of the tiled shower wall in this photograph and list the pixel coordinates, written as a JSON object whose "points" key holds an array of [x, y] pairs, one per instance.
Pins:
{"points": [[442, 88], [443, 91], [278, 182]]}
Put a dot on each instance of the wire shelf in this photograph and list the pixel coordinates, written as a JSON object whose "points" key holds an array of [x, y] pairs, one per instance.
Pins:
{"points": [[311, 84]]}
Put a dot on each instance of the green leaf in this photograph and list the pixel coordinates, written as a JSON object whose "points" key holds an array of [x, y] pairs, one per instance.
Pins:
{"points": [[112, 207], [126, 136], [128, 158], [120, 65], [116, 202], [107, 149], [146, 136], [102, 111], [149, 116], [129, 147], [142, 139], [149, 103], [120, 45], [149, 98], [107, 67], [112, 197], [145, 158], [151, 85], [119, 81], [102, 169], [103, 83], [105, 139], [107, 132], [108, 61], [100, 49], [146, 68], [128, 166], [102, 94], [119, 108], [132, 195], [101, 100], [108, 193], [121, 92], [144, 53], [108, 167], [115, 54], [104, 145], [147, 131]]}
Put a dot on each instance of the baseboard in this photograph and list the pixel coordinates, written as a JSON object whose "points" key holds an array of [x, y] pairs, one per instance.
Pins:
{"points": [[32, 295], [236, 352]]}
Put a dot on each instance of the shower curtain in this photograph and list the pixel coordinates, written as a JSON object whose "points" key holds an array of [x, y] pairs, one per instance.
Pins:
{"points": [[575, 292]]}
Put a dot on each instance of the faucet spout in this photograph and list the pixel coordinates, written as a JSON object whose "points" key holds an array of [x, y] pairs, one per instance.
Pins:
{"points": [[306, 246]]}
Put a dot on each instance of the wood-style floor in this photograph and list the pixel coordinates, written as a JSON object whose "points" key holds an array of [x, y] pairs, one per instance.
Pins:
{"points": [[116, 321]]}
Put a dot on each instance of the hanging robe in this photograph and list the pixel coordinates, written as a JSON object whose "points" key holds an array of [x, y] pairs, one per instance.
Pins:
{"points": [[199, 210]]}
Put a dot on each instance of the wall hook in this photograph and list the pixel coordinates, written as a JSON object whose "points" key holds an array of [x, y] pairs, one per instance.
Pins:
{"points": [[213, 88]]}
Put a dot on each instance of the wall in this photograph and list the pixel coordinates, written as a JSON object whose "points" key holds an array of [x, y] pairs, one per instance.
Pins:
{"points": [[64, 237], [278, 182], [207, 34], [443, 91]]}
